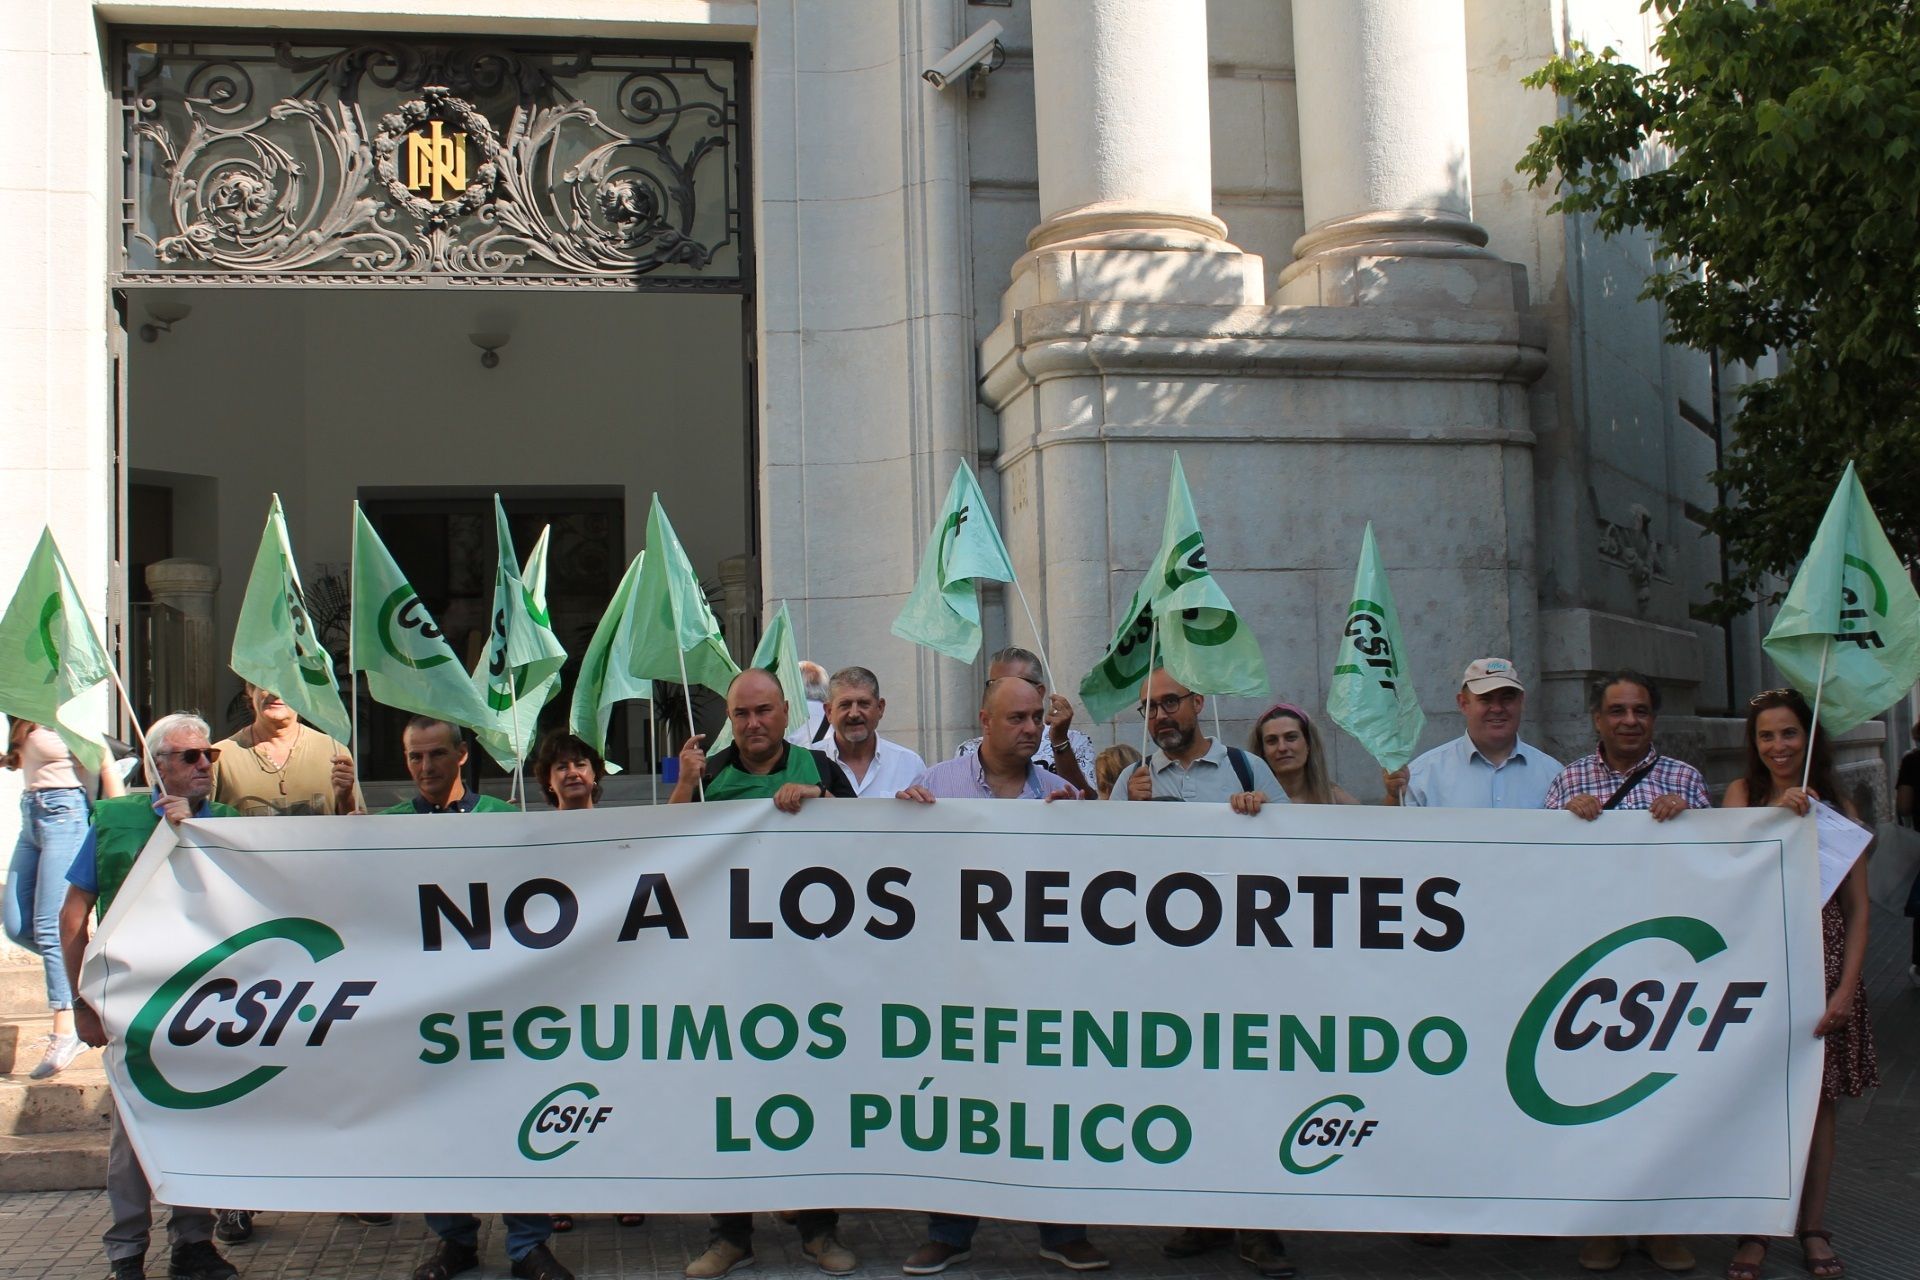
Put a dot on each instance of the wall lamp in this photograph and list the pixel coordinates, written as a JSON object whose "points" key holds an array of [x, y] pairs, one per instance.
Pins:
{"points": [[161, 317], [489, 344]]}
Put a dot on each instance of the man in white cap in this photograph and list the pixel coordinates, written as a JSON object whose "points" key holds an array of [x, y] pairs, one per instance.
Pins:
{"points": [[1488, 766]]}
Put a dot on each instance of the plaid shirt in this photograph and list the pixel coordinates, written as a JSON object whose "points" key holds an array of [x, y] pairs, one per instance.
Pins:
{"points": [[1592, 776]]}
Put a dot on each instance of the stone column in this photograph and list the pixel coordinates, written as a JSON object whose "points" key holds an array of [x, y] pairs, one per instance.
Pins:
{"points": [[184, 655], [1385, 169], [1126, 173]]}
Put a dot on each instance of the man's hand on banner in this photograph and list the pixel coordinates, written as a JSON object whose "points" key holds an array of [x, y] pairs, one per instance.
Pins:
{"points": [[1671, 805], [87, 1025], [1585, 808], [789, 798], [917, 794], [1247, 802]]}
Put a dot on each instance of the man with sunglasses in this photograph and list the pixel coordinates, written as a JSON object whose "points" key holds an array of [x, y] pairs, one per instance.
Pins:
{"points": [[184, 762], [1189, 765]]}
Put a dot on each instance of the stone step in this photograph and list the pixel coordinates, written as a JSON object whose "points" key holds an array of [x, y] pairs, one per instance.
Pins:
{"points": [[23, 989], [72, 1161], [75, 1100], [21, 1043]]}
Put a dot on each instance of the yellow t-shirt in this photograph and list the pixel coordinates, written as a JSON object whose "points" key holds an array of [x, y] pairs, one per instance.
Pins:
{"points": [[304, 785]]}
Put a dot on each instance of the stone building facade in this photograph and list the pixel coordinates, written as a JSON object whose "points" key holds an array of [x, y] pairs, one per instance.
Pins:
{"points": [[1285, 239]]}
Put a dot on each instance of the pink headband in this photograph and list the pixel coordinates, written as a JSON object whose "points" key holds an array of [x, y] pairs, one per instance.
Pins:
{"points": [[1289, 709]]}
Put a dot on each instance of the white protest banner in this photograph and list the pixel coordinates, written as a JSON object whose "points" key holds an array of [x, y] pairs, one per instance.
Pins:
{"points": [[1317, 1018]]}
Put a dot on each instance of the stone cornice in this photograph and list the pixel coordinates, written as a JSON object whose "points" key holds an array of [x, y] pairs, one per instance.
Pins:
{"points": [[1078, 339]]}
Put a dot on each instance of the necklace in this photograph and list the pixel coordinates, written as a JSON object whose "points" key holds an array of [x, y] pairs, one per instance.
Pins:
{"points": [[278, 770]]}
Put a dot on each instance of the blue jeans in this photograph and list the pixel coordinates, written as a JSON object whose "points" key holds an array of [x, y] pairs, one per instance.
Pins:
{"points": [[524, 1230], [957, 1230], [52, 825]]}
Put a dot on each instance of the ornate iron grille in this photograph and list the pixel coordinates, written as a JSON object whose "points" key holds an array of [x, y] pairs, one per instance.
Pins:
{"points": [[373, 160]]}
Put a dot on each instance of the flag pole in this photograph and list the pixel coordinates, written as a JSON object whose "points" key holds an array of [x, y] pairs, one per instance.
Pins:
{"points": [[1146, 740], [1819, 688], [686, 691], [1039, 645], [519, 753], [139, 734], [653, 752]]}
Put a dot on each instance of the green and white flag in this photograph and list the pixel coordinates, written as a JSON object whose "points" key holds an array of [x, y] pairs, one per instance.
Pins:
{"points": [[1202, 641], [274, 647], [1371, 696], [1114, 683], [520, 667], [1852, 610], [674, 623], [409, 664], [53, 668], [776, 653], [943, 613], [604, 679]]}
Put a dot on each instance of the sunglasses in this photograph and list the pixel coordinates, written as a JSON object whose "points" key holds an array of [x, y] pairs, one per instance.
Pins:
{"points": [[194, 755], [1766, 694]]}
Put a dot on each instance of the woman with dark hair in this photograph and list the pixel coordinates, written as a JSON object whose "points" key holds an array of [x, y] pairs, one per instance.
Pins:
{"points": [[568, 771], [1779, 730], [1285, 738]]}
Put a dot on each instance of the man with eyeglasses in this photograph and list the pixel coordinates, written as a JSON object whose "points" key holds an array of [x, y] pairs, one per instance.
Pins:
{"points": [[1189, 765], [183, 761]]}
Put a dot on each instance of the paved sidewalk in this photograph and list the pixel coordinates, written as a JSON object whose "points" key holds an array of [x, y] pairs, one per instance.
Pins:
{"points": [[1875, 1217]]}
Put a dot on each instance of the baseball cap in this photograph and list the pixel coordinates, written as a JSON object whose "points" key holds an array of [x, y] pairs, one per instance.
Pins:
{"points": [[1487, 674]]}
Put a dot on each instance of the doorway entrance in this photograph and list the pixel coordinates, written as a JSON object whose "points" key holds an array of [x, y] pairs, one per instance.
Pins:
{"points": [[416, 275]]}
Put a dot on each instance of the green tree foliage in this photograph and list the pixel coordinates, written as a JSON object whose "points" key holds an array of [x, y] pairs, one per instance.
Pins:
{"points": [[1773, 158]]}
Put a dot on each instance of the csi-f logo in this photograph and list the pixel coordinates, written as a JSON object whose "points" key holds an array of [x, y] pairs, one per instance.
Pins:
{"points": [[195, 1010], [950, 538], [1367, 629], [554, 1125], [407, 631], [1325, 1132], [1574, 1013], [1187, 562], [311, 660], [1863, 604]]}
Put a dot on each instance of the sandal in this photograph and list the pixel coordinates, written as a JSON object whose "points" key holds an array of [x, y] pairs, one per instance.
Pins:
{"points": [[1828, 1268], [1748, 1270], [561, 1221]]}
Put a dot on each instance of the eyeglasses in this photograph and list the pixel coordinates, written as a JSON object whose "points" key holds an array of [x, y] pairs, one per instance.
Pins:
{"points": [[194, 755], [1165, 706]]}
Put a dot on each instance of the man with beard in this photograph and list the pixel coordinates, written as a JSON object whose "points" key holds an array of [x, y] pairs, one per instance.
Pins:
{"points": [[1188, 765], [878, 769]]}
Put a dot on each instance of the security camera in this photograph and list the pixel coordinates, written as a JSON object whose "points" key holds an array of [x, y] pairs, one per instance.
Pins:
{"points": [[980, 53]]}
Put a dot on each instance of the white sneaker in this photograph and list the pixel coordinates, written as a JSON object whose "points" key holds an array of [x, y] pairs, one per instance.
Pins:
{"points": [[61, 1051]]}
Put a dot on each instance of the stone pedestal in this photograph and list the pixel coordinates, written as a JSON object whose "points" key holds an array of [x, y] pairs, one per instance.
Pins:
{"points": [[1389, 385], [182, 646]]}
